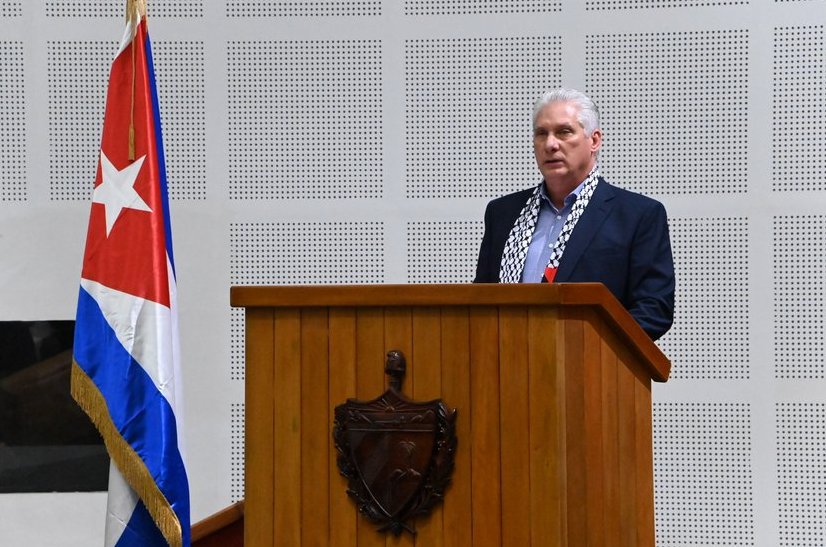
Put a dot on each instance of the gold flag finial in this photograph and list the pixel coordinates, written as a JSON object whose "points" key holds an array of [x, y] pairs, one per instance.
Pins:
{"points": [[135, 10]]}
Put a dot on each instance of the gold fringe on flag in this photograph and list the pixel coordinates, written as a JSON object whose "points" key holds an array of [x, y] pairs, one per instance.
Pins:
{"points": [[131, 466]]}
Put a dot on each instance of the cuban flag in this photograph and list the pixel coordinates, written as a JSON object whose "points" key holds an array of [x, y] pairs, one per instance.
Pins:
{"points": [[125, 368]]}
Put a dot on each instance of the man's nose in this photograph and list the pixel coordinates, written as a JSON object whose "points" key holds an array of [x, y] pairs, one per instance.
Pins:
{"points": [[551, 143]]}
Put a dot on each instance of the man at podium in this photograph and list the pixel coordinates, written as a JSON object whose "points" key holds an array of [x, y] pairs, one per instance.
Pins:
{"points": [[574, 226]]}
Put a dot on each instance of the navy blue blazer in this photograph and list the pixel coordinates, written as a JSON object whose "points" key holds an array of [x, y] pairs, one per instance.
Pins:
{"points": [[621, 240]]}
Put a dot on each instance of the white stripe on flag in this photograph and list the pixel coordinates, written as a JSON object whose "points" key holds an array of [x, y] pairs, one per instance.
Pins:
{"points": [[128, 33], [143, 328], [119, 506], [177, 402]]}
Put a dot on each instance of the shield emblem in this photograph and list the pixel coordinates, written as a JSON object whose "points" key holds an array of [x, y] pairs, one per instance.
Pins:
{"points": [[397, 454]]}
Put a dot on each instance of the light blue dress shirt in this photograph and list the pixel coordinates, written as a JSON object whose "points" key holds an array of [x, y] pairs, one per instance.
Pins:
{"points": [[548, 225]]}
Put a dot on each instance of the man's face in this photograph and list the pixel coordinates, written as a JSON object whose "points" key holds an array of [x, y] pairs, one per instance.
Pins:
{"points": [[564, 153]]}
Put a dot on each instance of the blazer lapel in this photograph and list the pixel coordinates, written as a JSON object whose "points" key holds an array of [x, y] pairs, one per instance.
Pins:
{"points": [[586, 228]]}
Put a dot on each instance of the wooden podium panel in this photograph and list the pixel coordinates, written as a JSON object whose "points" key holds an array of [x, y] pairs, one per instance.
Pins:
{"points": [[552, 384]]}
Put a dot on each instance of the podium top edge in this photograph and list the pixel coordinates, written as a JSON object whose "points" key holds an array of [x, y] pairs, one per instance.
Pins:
{"points": [[468, 294], [289, 296]]}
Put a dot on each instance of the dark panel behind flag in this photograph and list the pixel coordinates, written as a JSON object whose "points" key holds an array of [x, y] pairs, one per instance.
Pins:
{"points": [[47, 443]]}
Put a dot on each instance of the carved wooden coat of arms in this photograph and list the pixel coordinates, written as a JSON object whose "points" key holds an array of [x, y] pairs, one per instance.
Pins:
{"points": [[397, 454]]}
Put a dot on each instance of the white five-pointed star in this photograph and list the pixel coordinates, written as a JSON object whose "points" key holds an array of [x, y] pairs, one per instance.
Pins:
{"points": [[116, 191]]}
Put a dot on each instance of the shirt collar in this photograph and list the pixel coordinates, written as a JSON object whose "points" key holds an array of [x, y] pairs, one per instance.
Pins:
{"points": [[569, 199]]}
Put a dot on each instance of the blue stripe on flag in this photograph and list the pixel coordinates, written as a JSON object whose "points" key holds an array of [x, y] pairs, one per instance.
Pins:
{"points": [[143, 416], [156, 111]]}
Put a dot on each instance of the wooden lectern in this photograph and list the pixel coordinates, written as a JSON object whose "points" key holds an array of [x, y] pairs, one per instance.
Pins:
{"points": [[552, 384]]}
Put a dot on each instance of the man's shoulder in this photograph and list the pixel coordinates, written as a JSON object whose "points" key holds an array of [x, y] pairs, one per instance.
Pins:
{"points": [[628, 197], [514, 200]]}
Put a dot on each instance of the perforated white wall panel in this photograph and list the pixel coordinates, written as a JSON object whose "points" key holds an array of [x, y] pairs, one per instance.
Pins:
{"points": [[703, 474], [443, 251], [474, 7], [671, 104], [648, 4], [77, 73], [798, 110], [236, 343], [305, 119], [799, 247], [180, 76], [279, 253], [12, 123], [801, 476], [236, 471], [710, 337], [345, 141], [11, 8], [256, 8]]}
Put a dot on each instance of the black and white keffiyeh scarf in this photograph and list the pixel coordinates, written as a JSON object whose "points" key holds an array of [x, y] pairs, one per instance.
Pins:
{"points": [[519, 239]]}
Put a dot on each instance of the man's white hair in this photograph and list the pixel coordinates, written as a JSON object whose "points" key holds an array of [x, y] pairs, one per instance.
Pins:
{"points": [[588, 115]]}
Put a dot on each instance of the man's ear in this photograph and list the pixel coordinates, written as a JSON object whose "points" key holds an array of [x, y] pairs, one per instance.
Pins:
{"points": [[596, 141]]}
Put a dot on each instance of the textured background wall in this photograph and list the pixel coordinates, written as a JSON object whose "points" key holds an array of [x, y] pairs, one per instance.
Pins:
{"points": [[358, 142]]}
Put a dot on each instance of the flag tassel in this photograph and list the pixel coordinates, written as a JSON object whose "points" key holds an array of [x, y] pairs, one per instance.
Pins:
{"points": [[131, 155]]}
